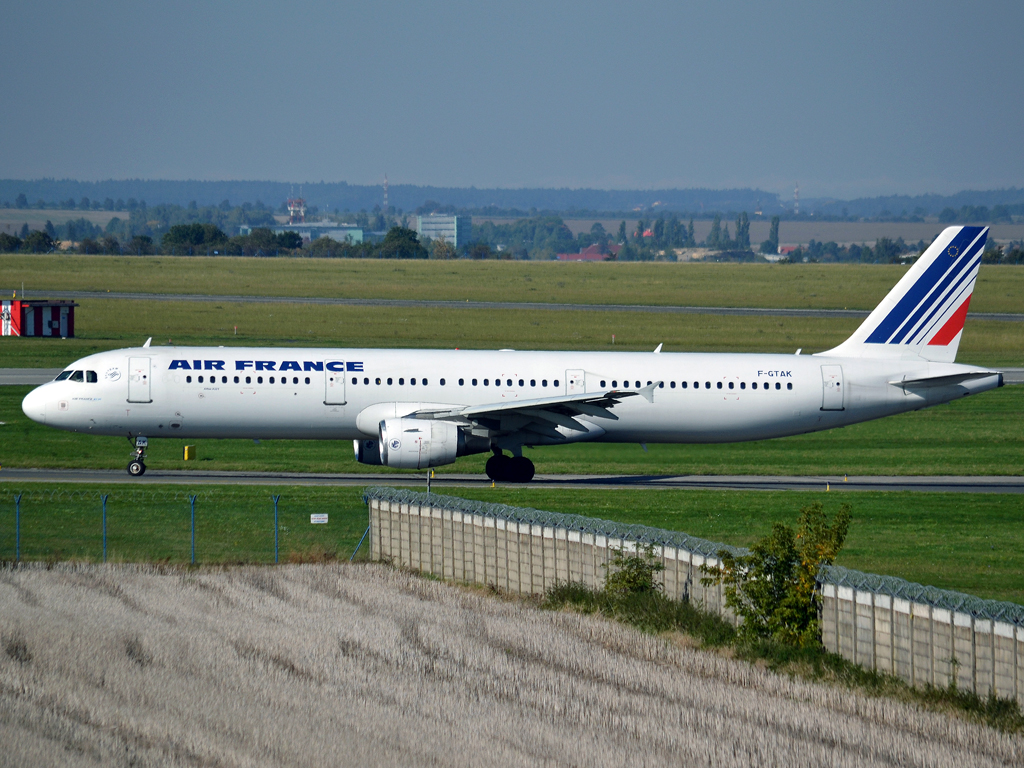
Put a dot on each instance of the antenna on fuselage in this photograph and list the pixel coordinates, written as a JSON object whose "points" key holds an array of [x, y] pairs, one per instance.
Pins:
{"points": [[657, 349], [148, 341]]}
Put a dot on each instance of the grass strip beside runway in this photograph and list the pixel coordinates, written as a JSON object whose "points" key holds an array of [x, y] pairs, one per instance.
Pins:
{"points": [[972, 543]]}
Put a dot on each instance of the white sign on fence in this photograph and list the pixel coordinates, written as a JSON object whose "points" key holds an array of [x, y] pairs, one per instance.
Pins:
{"points": [[318, 519]]}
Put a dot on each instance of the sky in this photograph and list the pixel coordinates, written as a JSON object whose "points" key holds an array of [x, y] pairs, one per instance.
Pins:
{"points": [[848, 99]]}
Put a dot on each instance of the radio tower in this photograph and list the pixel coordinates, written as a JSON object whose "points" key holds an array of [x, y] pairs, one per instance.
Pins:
{"points": [[796, 200], [385, 194]]}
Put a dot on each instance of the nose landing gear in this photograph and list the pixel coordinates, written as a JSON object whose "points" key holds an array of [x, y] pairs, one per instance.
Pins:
{"points": [[137, 467], [509, 469]]}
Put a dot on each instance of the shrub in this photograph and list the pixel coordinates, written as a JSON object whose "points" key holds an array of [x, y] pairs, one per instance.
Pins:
{"points": [[773, 588]]}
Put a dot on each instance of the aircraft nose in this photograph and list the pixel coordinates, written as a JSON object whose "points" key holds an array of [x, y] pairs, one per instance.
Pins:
{"points": [[34, 405]]}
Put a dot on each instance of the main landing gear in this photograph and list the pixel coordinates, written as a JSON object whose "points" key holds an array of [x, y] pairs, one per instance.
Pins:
{"points": [[509, 469], [137, 466]]}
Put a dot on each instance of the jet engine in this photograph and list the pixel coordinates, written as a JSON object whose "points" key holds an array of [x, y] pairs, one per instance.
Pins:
{"points": [[367, 451], [422, 443]]}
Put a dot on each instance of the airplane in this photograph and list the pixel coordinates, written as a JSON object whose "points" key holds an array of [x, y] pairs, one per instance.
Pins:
{"points": [[416, 409]]}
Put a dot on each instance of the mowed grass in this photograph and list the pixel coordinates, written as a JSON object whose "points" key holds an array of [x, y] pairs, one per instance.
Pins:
{"points": [[153, 524], [819, 286], [980, 435], [968, 542], [112, 324]]}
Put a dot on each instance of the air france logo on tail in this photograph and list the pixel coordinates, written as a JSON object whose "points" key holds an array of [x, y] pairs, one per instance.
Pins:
{"points": [[932, 309]]}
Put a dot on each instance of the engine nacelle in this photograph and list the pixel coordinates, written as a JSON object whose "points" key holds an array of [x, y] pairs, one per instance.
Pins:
{"points": [[367, 451], [419, 443]]}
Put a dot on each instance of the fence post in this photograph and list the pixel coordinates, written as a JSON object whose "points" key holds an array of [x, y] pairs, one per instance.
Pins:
{"points": [[104, 498], [276, 499], [192, 504], [17, 528]]}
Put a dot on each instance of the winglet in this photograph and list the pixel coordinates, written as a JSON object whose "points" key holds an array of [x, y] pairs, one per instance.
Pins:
{"points": [[657, 349], [648, 392]]}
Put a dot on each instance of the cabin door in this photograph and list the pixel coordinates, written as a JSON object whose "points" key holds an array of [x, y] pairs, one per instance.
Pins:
{"points": [[832, 387], [139, 380], [334, 382]]}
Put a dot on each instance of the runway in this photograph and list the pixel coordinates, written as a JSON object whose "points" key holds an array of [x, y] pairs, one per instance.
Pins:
{"points": [[918, 483], [508, 305]]}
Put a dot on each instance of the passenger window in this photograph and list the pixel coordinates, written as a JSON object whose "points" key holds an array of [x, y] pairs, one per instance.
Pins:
{"points": [[743, 385], [521, 383], [638, 385], [615, 383], [223, 379], [707, 385], [377, 380], [90, 377], [661, 385], [271, 379], [284, 380], [462, 382], [188, 379], [259, 380], [672, 384], [236, 379], [533, 382], [543, 382], [648, 384], [365, 381], [355, 380], [474, 382], [508, 382], [732, 385], [555, 383], [487, 382], [424, 382], [603, 385], [682, 384], [497, 382], [248, 379], [777, 385], [401, 381], [789, 385], [389, 381], [442, 382], [719, 384], [307, 380], [412, 382]]}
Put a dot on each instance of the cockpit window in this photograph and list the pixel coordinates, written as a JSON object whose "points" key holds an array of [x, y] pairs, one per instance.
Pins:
{"points": [[77, 376], [90, 377], [62, 375]]}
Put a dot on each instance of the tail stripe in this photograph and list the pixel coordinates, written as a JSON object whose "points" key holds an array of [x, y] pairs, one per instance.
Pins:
{"points": [[922, 291], [953, 326], [961, 286], [937, 297]]}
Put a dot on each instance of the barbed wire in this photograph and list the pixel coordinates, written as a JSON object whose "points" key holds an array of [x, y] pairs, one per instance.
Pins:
{"points": [[997, 610]]}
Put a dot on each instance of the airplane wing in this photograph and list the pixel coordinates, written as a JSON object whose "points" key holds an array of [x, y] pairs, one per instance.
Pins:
{"points": [[541, 416]]}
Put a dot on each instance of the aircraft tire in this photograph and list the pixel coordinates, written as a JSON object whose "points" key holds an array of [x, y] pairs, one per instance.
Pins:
{"points": [[521, 469], [136, 468], [497, 467]]}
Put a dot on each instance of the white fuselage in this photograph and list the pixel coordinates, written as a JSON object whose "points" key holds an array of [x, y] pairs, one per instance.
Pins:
{"points": [[232, 392]]}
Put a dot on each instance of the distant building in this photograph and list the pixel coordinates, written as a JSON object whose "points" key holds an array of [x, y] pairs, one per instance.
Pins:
{"points": [[591, 253], [457, 230], [316, 229]]}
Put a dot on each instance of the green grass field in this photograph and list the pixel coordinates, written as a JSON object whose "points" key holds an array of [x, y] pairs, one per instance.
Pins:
{"points": [[971, 543], [111, 324], [825, 286]]}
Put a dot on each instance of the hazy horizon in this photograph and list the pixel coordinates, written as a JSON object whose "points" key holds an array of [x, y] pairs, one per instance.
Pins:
{"points": [[849, 101]]}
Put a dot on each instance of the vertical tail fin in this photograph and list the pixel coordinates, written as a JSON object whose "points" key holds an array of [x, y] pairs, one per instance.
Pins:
{"points": [[923, 316]]}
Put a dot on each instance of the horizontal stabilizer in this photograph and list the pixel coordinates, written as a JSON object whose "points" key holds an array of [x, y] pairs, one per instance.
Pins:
{"points": [[945, 381]]}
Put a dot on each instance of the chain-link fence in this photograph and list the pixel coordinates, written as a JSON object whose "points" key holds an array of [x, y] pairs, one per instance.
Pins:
{"points": [[207, 525]]}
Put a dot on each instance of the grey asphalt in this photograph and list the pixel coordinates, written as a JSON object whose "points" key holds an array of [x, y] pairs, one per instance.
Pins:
{"points": [[938, 484], [538, 306]]}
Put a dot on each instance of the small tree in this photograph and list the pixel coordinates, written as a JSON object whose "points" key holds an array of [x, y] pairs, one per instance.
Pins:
{"points": [[442, 249], [633, 574], [774, 587]]}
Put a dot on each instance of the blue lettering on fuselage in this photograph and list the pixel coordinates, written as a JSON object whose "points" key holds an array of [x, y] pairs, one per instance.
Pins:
{"points": [[776, 374], [263, 365]]}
